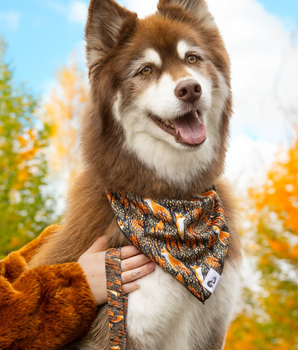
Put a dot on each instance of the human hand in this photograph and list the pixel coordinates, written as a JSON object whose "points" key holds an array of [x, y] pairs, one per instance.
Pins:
{"points": [[133, 266]]}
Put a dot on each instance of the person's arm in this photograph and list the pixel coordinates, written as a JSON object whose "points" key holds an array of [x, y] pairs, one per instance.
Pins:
{"points": [[45, 307], [49, 306]]}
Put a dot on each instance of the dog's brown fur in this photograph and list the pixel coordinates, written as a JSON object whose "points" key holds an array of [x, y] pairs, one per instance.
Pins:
{"points": [[110, 166]]}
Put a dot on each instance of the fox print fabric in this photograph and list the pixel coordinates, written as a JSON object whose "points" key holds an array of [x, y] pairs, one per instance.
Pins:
{"points": [[187, 238]]}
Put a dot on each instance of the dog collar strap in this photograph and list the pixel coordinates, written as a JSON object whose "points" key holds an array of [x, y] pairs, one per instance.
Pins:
{"points": [[117, 302], [187, 238]]}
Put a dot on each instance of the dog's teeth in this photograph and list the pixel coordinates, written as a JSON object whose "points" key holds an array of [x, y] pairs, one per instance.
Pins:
{"points": [[167, 122]]}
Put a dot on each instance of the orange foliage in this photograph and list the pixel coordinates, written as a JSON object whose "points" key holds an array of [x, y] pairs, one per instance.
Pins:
{"points": [[281, 189], [29, 145], [270, 317], [279, 200], [64, 111]]}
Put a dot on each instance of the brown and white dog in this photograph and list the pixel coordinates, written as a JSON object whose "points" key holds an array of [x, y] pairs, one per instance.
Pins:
{"points": [[156, 125]]}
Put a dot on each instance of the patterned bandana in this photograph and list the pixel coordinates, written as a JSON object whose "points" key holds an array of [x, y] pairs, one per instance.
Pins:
{"points": [[188, 239]]}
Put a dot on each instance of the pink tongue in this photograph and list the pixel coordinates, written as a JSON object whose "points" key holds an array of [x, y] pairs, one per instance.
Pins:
{"points": [[190, 129]]}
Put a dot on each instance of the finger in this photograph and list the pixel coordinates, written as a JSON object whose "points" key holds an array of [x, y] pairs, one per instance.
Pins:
{"points": [[127, 252], [132, 275], [99, 245], [130, 287], [134, 262]]}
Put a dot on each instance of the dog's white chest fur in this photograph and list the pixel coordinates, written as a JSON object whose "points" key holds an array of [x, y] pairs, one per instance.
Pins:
{"points": [[164, 315]]}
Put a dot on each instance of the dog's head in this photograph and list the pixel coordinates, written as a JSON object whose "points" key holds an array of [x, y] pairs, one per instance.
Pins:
{"points": [[160, 88]]}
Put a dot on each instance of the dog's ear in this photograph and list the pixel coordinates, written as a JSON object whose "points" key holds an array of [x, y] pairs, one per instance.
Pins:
{"points": [[105, 21], [197, 8]]}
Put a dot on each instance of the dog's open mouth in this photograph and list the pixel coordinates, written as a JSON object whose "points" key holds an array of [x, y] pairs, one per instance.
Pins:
{"points": [[187, 129]]}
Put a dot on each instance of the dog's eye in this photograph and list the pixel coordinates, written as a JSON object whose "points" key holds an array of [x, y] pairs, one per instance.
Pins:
{"points": [[146, 71], [192, 59]]}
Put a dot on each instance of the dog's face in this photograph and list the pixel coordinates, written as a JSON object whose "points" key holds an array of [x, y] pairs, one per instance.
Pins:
{"points": [[169, 78]]}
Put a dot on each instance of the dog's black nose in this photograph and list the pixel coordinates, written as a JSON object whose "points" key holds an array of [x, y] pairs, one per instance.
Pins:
{"points": [[188, 90]]}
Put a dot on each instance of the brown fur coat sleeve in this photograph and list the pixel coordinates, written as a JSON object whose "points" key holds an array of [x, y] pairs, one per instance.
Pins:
{"points": [[45, 307]]}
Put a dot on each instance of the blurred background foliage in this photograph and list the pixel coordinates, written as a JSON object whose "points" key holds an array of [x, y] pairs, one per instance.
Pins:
{"points": [[25, 206], [64, 110], [269, 315], [39, 144]]}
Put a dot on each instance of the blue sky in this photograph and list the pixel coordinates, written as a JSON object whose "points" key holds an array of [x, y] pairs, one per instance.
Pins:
{"points": [[42, 33], [283, 8], [40, 38]]}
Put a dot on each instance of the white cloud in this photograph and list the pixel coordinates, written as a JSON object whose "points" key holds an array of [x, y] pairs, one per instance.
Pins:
{"points": [[10, 19], [264, 81], [141, 7], [248, 160], [264, 67], [75, 11], [78, 12]]}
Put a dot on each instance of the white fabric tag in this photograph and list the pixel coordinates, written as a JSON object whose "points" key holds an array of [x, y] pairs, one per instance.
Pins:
{"points": [[211, 280]]}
